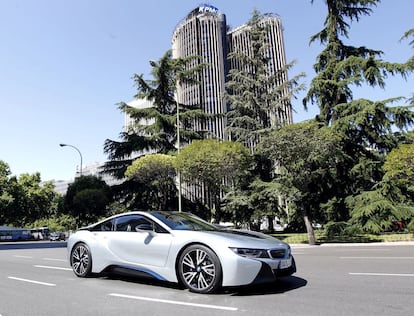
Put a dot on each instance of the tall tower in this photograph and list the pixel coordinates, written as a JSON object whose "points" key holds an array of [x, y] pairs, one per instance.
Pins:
{"points": [[203, 33], [239, 41]]}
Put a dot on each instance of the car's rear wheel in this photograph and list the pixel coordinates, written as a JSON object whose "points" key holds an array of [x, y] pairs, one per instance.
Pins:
{"points": [[81, 260], [199, 269]]}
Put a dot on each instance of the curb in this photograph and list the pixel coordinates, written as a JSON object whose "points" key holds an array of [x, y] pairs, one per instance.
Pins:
{"points": [[371, 244]]}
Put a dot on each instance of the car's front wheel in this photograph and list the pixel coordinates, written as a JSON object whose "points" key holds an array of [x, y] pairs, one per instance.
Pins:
{"points": [[81, 260], [199, 269]]}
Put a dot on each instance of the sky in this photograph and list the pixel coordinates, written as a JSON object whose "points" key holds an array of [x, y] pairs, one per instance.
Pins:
{"points": [[66, 64]]}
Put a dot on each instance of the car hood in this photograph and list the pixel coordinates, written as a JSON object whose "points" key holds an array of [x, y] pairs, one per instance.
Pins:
{"points": [[240, 238]]}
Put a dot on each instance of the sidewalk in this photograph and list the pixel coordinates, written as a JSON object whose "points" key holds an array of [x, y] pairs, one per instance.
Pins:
{"points": [[368, 244]]}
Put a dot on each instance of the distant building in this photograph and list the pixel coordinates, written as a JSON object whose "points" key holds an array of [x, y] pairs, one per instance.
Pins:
{"points": [[91, 169], [61, 186], [95, 169], [138, 104], [239, 41], [204, 32]]}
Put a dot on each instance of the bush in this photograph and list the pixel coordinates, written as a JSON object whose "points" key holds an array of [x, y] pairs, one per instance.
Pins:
{"points": [[341, 229]]}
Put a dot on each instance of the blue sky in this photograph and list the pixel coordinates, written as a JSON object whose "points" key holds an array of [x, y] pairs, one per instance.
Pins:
{"points": [[65, 64]]}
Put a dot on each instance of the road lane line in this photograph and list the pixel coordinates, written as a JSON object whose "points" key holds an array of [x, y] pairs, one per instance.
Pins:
{"points": [[380, 258], [50, 267], [54, 259], [31, 281], [227, 308], [383, 274]]}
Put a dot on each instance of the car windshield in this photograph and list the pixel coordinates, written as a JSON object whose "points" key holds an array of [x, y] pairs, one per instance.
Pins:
{"points": [[183, 221]]}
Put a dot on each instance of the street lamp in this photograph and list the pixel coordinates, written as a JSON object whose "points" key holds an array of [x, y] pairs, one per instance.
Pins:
{"points": [[67, 145]]}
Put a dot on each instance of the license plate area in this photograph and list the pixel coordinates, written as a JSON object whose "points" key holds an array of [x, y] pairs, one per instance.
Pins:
{"points": [[286, 263]]}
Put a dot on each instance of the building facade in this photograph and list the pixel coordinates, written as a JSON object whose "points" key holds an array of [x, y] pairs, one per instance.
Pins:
{"points": [[204, 32], [239, 41]]}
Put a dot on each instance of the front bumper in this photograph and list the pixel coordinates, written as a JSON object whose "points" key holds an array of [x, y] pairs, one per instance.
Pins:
{"points": [[267, 274]]}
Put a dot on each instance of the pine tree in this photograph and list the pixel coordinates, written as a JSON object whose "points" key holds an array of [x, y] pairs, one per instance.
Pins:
{"points": [[258, 96], [155, 128], [339, 66]]}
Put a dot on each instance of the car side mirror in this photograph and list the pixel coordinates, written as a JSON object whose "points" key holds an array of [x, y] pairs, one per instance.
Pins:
{"points": [[148, 228]]}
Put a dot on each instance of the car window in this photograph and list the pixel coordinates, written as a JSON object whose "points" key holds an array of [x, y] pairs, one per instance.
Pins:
{"points": [[105, 226], [136, 223], [184, 221]]}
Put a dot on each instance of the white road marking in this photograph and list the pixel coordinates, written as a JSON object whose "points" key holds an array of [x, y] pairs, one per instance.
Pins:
{"points": [[227, 308], [363, 249], [383, 274], [54, 259], [50, 267], [380, 258], [31, 281]]}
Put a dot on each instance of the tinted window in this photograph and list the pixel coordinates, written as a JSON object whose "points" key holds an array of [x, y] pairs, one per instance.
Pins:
{"points": [[104, 226], [183, 221], [135, 223]]}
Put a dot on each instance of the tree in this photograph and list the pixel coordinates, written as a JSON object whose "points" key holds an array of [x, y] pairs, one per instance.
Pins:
{"points": [[87, 199], [5, 196], [369, 129], [155, 128], [258, 95], [339, 66], [399, 168], [156, 174], [374, 212], [392, 199], [215, 166], [410, 62], [32, 199], [308, 168]]}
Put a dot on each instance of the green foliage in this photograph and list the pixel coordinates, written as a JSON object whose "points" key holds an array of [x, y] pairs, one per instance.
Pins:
{"points": [[341, 229], [339, 66], [374, 213], [155, 128], [214, 165], [410, 62], [6, 198], [156, 175], [27, 199], [399, 167], [309, 160], [87, 199], [62, 222], [257, 94], [237, 207]]}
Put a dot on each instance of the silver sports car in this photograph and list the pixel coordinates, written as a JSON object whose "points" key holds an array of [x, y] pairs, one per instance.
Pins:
{"points": [[179, 247]]}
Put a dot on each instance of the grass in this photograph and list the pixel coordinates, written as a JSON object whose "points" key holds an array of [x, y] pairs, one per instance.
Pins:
{"points": [[302, 238]]}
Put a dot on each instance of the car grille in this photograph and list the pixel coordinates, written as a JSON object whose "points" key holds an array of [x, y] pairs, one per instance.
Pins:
{"points": [[277, 253]]}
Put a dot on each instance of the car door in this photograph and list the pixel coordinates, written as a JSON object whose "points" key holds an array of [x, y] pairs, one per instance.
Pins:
{"points": [[137, 239]]}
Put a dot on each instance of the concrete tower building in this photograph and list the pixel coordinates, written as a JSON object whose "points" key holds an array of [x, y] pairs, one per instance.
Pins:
{"points": [[239, 41], [204, 32]]}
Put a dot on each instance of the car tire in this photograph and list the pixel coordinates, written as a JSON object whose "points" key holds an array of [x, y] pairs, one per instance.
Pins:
{"points": [[81, 260], [199, 269]]}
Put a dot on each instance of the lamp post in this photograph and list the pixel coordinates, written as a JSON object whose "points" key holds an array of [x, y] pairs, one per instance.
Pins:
{"points": [[67, 145], [155, 64]]}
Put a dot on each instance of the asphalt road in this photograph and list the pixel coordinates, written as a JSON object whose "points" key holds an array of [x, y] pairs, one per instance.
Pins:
{"points": [[331, 280]]}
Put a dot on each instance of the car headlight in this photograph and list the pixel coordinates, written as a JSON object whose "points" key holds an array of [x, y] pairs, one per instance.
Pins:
{"points": [[250, 253]]}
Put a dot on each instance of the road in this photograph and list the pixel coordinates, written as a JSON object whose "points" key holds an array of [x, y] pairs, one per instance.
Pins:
{"points": [[331, 280]]}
